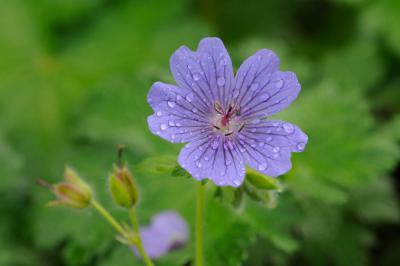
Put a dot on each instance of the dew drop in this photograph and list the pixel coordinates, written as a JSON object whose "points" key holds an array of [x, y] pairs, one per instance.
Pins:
{"points": [[171, 123], [254, 86], [173, 136], [215, 144], [206, 158], [276, 149], [268, 139], [178, 97], [189, 97], [187, 145], [163, 126], [279, 84], [221, 81], [288, 128], [301, 146], [171, 104], [198, 164], [262, 166], [253, 143], [178, 124], [223, 61], [194, 110], [159, 113], [196, 77], [236, 182], [264, 97]]}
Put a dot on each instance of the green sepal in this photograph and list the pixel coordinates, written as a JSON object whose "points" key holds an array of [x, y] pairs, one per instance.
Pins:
{"points": [[265, 197], [261, 181]]}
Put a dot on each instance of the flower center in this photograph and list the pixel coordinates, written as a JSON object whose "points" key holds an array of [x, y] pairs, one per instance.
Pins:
{"points": [[227, 122]]}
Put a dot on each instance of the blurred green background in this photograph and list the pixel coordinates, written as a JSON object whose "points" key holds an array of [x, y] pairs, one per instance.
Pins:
{"points": [[73, 81]]}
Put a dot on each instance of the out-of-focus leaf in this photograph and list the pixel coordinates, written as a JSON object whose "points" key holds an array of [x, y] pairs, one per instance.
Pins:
{"points": [[357, 66], [341, 133], [376, 202], [380, 18]]}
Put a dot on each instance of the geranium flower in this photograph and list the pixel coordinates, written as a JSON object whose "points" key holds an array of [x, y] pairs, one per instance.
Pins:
{"points": [[167, 231], [221, 116]]}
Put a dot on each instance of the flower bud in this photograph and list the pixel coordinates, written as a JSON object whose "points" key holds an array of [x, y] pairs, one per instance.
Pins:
{"points": [[74, 193], [122, 187]]}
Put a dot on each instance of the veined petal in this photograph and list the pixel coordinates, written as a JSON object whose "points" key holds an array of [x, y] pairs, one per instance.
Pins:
{"points": [[267, 145], [260, 89], [177, 116], [214, 158], [208, 72]]}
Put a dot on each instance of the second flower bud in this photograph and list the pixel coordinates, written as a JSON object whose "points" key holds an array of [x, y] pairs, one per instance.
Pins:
{"points": [[122, 187]]}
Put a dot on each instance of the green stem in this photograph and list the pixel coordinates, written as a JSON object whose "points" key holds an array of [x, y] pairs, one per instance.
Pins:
{"points": [[199, 224], [139, 245], [108, 217]]}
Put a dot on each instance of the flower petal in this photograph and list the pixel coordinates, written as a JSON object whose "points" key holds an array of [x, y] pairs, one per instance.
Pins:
{"points": [[176, 117], [208, 73], [267, 145], [260, 89], [214, 158]]}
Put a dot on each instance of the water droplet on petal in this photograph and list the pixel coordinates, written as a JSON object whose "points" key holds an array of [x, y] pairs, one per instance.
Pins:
{"points": [[268, 139], [279, 84], [178, 97], [171, 123], [236, 182], [223, 61], [163, 126], [253, 143], [178, 124], [288, 128], [206, 158], [262, 166], [221, 81], [173, 136], [196, 76], [171, 104], [194, 110], [276, 149], [159, 113], [198, 164], [215, 144], [301, 146], [189, 97], [254, 86], [264, 97]]}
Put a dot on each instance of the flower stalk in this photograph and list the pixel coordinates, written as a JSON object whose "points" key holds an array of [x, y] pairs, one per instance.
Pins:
{"points": [[199, 224], [139, 245]]}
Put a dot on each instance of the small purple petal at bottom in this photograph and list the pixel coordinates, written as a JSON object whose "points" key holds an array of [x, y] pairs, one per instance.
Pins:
{"points": [[167, 231]]}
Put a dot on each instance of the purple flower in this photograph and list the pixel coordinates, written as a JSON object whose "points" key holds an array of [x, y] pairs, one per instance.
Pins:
{"points": [[220, 115], [167, 231]]}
